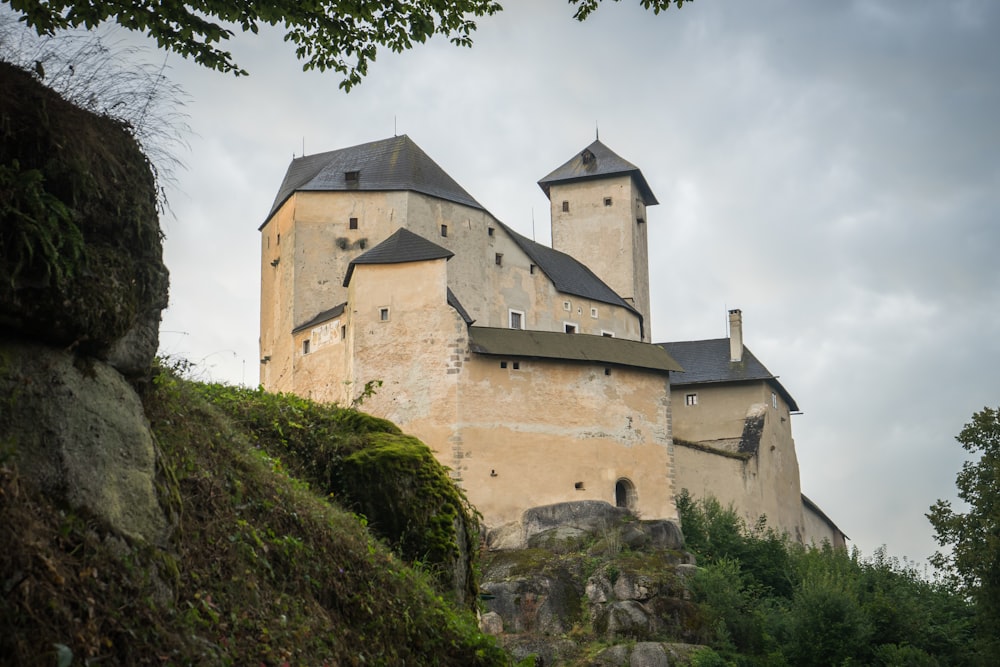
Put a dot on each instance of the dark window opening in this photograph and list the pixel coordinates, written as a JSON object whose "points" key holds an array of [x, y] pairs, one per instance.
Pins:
{"points": [[607, 201], [503, 364], [531, 269], [498, 259], [444, 230], [305, 347], [587, 156], [343, 332], [607, 371], [571, 328], [578, 486], [279, 239], [517, 365], [352, 176], [489, 231], [625, 495], [383, 314], [352, 223], [639, 221], [565, 207], [691, 399]]}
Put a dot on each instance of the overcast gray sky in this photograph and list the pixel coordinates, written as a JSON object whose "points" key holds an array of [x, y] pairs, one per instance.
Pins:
{"points": [[831, 168]]}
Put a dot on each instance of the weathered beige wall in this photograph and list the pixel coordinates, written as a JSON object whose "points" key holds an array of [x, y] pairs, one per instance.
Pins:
{"points": [[277, 275], [767, 484], [608, 239], [529, 435], [417, 353]]}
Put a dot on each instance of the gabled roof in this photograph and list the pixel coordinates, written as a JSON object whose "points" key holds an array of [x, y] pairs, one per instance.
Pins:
{"points": [[568, 274], [598, 161], [707, 361], [390, 164], [579, 347], [403, 246], [336, 311]]}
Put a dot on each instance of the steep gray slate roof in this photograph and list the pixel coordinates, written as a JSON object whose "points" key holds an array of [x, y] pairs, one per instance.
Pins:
{"points": [[707, 361], [605, 162], [578, 347], [390, 164], [567, 274], [403, 246]]}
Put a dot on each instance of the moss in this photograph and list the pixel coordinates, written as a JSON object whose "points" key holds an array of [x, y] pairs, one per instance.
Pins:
{"points": [[80, 243], [396, 482]]}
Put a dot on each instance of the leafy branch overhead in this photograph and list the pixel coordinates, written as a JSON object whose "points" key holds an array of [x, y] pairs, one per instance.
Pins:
{"points": [[339, 35]]}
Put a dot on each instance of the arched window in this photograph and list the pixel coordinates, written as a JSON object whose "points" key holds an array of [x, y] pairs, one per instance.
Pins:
{"points": [[625, 495]]}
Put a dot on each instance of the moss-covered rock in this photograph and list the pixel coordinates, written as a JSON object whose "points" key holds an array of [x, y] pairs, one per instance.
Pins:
{"points": [[80, 243], [405, 494]]}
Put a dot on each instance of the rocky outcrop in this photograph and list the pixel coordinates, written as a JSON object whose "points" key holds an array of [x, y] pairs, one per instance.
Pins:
{"points": [[80, 253], [591, 574], [82, 284]]}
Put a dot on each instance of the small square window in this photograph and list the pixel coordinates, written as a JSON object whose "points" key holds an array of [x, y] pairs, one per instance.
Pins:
{"points": [[578, 486], [565, 207], [305, 346], [639, 220], [498, 259], [691, 399], [352, 176], [444, 230], [352, 223], [517, 365], [516, 319], [593, 312], [567, 306], [607, 371], [503, 364], [490, 231], [607, 201], [383, 314]]}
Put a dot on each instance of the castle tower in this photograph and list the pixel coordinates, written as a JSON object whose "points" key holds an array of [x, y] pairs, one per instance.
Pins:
{"points": [[598, 206]]}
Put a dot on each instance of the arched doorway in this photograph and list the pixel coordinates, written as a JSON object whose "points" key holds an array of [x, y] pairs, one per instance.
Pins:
{"points": [[625, 495]]}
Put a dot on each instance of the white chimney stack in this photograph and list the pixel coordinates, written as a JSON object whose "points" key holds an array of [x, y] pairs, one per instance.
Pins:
{"points": [[735, 335]]}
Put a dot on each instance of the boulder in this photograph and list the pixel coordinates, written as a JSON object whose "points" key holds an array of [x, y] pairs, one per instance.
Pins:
{"points": [[81, 255], [77, 432]]}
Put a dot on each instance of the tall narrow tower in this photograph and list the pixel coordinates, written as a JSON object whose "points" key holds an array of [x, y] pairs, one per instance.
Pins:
{"points": [[598, 204]]}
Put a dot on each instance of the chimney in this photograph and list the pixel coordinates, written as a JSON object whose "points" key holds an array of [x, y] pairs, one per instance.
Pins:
{"points": [[735, 336]]}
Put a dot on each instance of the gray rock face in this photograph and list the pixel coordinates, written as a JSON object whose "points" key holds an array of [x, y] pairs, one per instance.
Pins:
{"points": [[541, 604], [78, 432], [626, 619], [586, 515]]}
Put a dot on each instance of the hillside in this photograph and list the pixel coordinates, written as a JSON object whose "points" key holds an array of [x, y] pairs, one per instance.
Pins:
{"points": [[259, 567]]}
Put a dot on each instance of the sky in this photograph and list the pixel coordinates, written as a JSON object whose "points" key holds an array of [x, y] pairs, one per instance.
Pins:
{"points": [[832, 169]]}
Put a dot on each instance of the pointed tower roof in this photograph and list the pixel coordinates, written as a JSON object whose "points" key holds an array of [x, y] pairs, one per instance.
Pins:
{"points": [[390, 164], [403, 246], [597, 161]]}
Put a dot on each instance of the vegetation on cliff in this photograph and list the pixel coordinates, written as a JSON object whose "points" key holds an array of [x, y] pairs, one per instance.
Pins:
{"points": [[261, 567]]}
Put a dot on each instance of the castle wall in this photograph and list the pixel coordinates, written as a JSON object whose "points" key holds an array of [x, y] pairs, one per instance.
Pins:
{"points": [[550, 431], [277, 277], [735, 419]]}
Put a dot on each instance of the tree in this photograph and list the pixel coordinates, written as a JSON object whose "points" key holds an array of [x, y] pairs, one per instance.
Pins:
{"points": [[974, 536], [342, 35]]}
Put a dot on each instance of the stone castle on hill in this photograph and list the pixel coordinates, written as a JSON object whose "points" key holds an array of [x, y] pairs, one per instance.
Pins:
{"points": [[527, 369]]}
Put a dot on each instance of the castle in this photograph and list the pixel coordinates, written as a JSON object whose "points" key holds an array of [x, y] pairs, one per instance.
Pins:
{"points": [[527, 369]]}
